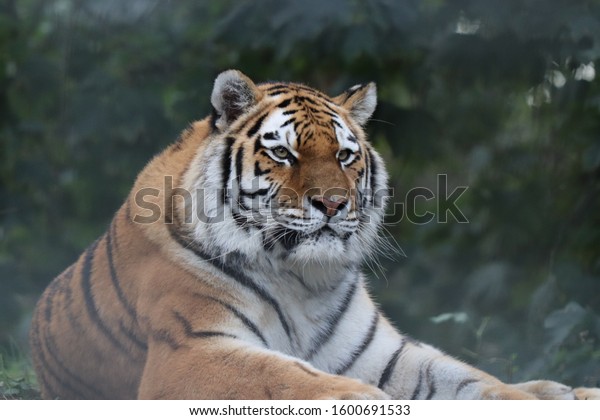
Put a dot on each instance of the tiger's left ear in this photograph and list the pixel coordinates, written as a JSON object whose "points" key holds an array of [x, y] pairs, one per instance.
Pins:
{"points": [[360, 101]]}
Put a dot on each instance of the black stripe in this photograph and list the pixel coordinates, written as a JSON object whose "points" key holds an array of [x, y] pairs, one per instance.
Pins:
{"points": [[74, 319], [288, 122], [36, 355], [271, 135], [284, 103], [90, 305], [226, 166], [49, 342], [113, 272], [240, 220], [52, 290], [132, 336], [189, 332], [258, 171], [464, 383], [232, 272], [415, 393], [239, 159], [293, 86], [187, 326], [245, 320], [316, 93], [47, 368], [366, 341], [209, 334], [163, 335], [307, 99], [328, 104], [253, 194], [430, 382], [278, 92], [332, 322], [299, 138], [254, 129], [277, 87], [52, 351], [333, 115], [257, 145], [265, 154], [373, 172], [317, 113], [238, 275], [389, 368], [353, 161], [300, 280], [367, 174], [128, 217]]}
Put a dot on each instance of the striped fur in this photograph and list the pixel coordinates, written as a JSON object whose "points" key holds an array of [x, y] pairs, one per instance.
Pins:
{"points": [[232, 270]]}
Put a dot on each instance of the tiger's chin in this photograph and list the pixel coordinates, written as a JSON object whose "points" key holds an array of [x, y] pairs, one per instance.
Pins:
{"points": [[324, 246]]}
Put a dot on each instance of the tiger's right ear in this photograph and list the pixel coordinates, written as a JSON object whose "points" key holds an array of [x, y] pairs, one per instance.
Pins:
{"points": [[233, 94]]}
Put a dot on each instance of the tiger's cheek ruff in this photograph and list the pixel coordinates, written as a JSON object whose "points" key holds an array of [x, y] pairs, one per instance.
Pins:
{"points": [[230, 226]]}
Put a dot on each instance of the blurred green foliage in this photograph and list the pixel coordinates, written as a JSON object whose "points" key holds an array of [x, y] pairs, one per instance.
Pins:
{"points": [[17, 379], [500, 95]]}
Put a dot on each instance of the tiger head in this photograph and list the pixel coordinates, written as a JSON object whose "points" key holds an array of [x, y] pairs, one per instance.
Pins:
{"points": [[287, 172]]}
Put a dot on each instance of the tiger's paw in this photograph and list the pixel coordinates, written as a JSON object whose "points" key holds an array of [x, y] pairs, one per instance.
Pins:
{"points": [[353, 390], [506, 392], [547, 390], [587, 393]]}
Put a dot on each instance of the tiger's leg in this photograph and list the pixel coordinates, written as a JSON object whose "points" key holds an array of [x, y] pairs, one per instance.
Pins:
{"points": [[413, 370], [368, 347], [547, 390], [223, 367], [363, 344]]}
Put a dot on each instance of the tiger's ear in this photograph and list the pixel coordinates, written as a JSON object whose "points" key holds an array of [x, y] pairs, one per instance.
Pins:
{"points": [[360, 101], [233, 94]]}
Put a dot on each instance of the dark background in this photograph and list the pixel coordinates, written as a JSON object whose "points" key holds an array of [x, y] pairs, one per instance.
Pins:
{"points": [[502, 96]]}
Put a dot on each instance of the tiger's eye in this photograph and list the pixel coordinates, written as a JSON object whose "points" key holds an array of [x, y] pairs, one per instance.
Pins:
{"points": [[343, 155], [281, 152]]}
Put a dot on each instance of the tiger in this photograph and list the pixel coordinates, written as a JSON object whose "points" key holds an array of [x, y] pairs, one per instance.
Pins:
{"points": [[233, 270]]}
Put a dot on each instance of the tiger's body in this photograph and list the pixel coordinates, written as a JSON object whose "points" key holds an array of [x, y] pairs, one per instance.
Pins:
{"points": [[232, 270]]}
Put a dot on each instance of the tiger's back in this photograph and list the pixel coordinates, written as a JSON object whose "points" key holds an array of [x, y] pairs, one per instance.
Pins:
{"points": [[85, 338], [89, 333]]}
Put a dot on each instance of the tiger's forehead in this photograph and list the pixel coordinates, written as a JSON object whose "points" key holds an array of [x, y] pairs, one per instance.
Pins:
{"points": [[301, 117], [276, 89]]}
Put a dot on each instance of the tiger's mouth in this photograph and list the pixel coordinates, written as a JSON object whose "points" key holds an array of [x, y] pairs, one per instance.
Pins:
{"points": [[290, 238]]}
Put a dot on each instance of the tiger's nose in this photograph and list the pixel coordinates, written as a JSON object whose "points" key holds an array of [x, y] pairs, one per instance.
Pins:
{"points": [[328, 206]]}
